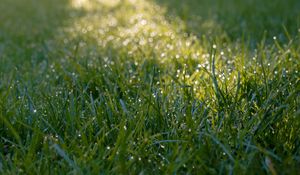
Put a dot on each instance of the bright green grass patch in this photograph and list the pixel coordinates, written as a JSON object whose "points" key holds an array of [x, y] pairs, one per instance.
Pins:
{"points": [[150, 87]]}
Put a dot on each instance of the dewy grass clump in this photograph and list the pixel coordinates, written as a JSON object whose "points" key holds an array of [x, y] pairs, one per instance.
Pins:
{"points": [[149, 87]]}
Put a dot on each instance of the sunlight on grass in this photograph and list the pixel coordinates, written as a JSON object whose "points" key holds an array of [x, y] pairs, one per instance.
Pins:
{"points": [[139, 29], [148, 87], [80, 3], [88, 4], [111, 3]]}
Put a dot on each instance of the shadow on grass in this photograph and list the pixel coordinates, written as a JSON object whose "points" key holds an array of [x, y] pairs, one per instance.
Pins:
{"points": [[236, 18], [33, 20], [28, 30]]}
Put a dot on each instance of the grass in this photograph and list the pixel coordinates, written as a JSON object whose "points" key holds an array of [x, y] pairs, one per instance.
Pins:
{"points": [[149, 87]]}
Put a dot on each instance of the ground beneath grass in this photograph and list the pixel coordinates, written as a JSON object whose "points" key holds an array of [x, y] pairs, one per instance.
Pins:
{"points": [[149, 87]]}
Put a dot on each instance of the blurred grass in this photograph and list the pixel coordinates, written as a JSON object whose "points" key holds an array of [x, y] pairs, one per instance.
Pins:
{"points": [[251, 19], [149, 87], [26, 28]]}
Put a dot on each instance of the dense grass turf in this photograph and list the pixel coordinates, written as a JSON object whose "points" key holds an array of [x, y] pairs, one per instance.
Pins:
{"points": [[149, 87]]}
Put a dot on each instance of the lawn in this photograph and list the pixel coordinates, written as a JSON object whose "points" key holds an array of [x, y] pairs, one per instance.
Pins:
{"points": [[149, 87]]}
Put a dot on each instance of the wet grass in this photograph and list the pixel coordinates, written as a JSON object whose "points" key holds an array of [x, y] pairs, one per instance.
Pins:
{"points": [[149, 87]]}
